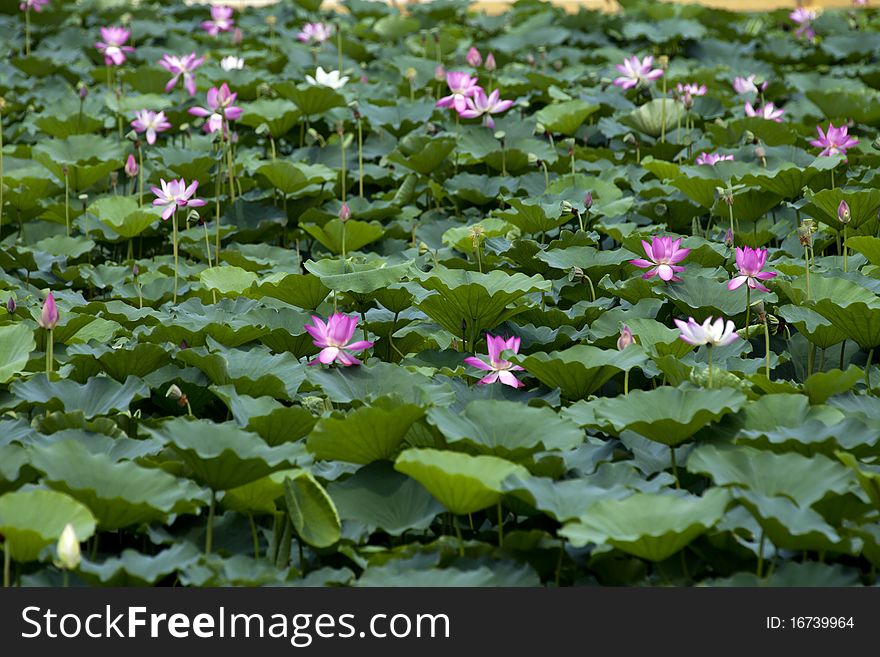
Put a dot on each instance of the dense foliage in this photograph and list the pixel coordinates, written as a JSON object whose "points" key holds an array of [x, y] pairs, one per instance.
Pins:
{"points": [[425, 298]]}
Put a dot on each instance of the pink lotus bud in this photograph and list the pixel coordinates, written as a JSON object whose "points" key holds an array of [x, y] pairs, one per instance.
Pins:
{"points": [[237, 36], [588, 200], [10, 306], [728, 238], [474, 58], [439, 73], [344, 213], [625, 339], [83, 92], [131, 166], [49, 317], [843, 213], [135, 270], [490, 62]]}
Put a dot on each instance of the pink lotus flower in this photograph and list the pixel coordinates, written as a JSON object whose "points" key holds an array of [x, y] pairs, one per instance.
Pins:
{"points": [[333, 339], [221, 21], [712, 159], [182, 66], [473, 57], [462, 86], [714, 334], [220, 108], [804, 19], [687, 92], [112, 45], [36, 5], [49, 316], [664, 255], [131, 166], [835, 141], [314, 33], [625, 339], [750, 262], [747, 85], [636, 72], [768, 111], [481, 105], [151, 123], [175, 194], [500, 370]]}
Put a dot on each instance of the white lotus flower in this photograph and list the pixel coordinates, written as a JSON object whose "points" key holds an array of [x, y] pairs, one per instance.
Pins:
{"points": [[232, 63], [68, 548], [330, 79]]}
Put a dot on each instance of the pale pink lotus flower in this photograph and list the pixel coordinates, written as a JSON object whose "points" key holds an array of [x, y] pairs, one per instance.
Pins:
{"points": [[498, 368], [692, 89], [315, 33], [664, 254], [182, 66], [175, 194], [220, 108], [750, 262], [803, 18], [490, 62], [747, 85], [717, 333], [36, 5], [151, 123], [844, 215], [221, 20], [113, 45], [473, 57], [625, 339], [463, 86], [635, 72], [481, 105], [334, 339], [131, 166], [711, 159], [835, 142], [767, 111], [232, 63], [49, 316]]}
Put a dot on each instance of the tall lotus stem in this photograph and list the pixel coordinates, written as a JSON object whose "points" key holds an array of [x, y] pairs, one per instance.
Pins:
{"points": [[767, 349], [7, 565], [2, 106], [50, 351], [663, 114], [674, 466], [340, 131], [360, 157], [339, 44], [500, 525], [748, 309], [709, 358], [868, 369], [66, 198], [209, 530], [229, 163], [217, 216], [174, 247], [137, 146], [27, 31], [845, 249], [807, 268]]}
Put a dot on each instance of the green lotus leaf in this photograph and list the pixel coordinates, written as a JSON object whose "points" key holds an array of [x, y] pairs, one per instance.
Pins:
{"points": [[581, 370], [345, 237], [565, 117], [131, 568], [425, 158], [124, 216], [593, 262], [99, 396], [858, 320], [868, 478], [13, 467], [370, 433], [258, 497], [790, 527], [311, 100], [369, 382], [34, 519], [702, 297], [119, 494], [531, 218], [283, 425], [293, 177], [863, 206], [651, 117], [87, 158], [357, 277], [399, 117], [867, 246], [652, 527], [666, 415], [812, 325], [222, 456], [563, 500], [507, 429], [460, 482], [384, 499], [311, 510], [277, 114], [227, 280], [300, 290], [16, 344]]}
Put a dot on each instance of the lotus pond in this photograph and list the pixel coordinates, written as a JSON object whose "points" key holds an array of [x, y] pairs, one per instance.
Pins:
{"points": [[438, 298]]}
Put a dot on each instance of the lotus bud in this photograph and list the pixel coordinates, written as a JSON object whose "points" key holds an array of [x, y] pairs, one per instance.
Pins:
{"points": [[114, 179], [237, 36], [439, 73], [474, 58], [530, 59], [728, 239], [749, 137], [423, 248], [10, 305], [490, 62], [625, 339], [663, 61], [410, 74], [49, 316], [131, 166], [271, 20], [575, 274], [630, 139], [344, 213], [805, 233], [760, 312], [175, 393], [68, 549], [843, 213], [83, 91], [588, 201], [135, 270], [183, 345]]}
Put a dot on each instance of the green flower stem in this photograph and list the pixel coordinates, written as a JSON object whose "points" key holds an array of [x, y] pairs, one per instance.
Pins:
{"points": [[217, 217], [50, 351], [663, 114], [730, 212], [807, 268], [67, 200], [625, 382], [229, 164], [343, 241], [7, 565], [767, 349], [748, 308], [458, 534], [845, 249], [339, 44], [710, 364], [209, 530], [1, 170], [174, 248], [760, 567], [254, 536], [547, 184], [842, 352], [342, 152], [207, 244], [65, 578], [360, 159], [674, 466], [27, 32], [868, 369], [140, 177]]}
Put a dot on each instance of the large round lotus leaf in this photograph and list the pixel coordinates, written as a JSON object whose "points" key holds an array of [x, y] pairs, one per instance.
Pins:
{"points": [[349, 236], [124, 216], [869, 479], [667, 415], [293, 177], [805, 480], [300, 290], [283, 425], [278, 114], [31, 520], [460, 482], [653, 527], [812, 325], [507, 429], [858, 320], [312, 512], [258, 496], [863, 206], [368, 434], [119, 494], [357, 277], [222, 456], [564, 500], [227, 280], [131, 568], [422, 155], [98, 396], [13, 462], [16, 344], [368, 382], [478, 301], [652, 117], [790, 527], [310, 100], [701, 297], [384, 499], [581, 370], [565, 117]]}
